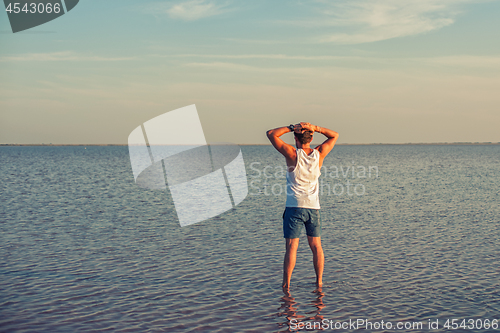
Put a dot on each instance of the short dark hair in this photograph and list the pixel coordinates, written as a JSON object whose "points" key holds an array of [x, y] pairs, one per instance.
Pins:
{"points": [[304, 137]]}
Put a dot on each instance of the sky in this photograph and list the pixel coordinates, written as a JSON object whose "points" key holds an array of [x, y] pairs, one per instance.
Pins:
{"points": [[376, 71]]}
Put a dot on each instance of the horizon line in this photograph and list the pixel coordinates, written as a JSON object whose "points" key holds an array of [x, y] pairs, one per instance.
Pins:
{"points": [[252, 144]]}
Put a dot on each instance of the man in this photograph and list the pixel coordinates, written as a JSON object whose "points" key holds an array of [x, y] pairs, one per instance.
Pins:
{"points": [[302, 202]]}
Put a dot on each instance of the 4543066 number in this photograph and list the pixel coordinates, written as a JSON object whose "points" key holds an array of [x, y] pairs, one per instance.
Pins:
{"points": [[471, 324], [33, 8]]}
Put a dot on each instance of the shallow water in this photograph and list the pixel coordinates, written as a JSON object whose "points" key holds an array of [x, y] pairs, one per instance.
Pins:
{"points": [[84, 249]]}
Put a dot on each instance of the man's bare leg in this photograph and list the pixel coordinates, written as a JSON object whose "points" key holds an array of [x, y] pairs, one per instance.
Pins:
{"points": [[292, 244], [318, 258]]}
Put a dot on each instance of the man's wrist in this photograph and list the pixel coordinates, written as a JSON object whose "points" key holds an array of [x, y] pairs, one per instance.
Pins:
{"points": [[291, 127], [318, 129]]}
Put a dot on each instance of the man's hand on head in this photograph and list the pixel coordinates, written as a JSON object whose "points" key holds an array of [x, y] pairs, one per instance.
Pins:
{"points": [[306, 127]]}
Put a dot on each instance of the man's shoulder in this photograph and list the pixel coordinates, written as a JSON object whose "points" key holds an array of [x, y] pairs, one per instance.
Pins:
{"points": [[291, 152]]}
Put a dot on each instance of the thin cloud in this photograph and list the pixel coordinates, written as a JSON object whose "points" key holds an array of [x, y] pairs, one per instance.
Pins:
{"points": [[261, 56], [364, 21], [258, 41], [189, 10], [469, 61], [61, 56], [226, 66], [463, 62]]}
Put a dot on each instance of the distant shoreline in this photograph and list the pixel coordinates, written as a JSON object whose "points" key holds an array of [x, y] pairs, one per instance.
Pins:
{"points": [[245, 144]]}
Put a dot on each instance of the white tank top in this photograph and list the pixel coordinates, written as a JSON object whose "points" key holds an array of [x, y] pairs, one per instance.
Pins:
{"points": [[302, 186]]}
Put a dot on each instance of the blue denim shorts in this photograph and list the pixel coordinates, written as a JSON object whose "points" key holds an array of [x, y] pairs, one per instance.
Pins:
{"points": [[295, 217]]}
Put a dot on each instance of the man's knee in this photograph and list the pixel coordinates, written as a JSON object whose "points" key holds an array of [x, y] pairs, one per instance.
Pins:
{"points": [[314, 243]]}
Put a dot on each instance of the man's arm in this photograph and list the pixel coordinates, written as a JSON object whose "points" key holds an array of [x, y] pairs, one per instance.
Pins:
{"points": [[285, 149], [331, 138]]}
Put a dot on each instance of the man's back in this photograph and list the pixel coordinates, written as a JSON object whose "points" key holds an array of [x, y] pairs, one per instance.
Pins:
{"points": [[302, 186]]}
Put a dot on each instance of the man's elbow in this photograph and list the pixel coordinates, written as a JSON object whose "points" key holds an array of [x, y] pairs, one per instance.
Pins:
{"points": [[269, 133], [332, 135]]}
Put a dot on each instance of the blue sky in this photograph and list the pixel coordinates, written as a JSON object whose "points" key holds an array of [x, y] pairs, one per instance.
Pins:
{"points": [[379, 71]]}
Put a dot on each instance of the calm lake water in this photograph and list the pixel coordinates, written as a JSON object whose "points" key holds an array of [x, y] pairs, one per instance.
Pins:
{"points": [[412, 235]]}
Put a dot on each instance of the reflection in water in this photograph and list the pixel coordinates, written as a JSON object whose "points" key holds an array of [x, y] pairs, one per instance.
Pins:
{"points": [[294, 321], [318, 304]]}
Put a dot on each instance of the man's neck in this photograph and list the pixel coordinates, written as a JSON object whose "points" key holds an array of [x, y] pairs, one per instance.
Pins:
{"points": [[303, 146]]}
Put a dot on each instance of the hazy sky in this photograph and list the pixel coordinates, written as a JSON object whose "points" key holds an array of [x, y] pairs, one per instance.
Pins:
{"points": [[376, 71]]}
